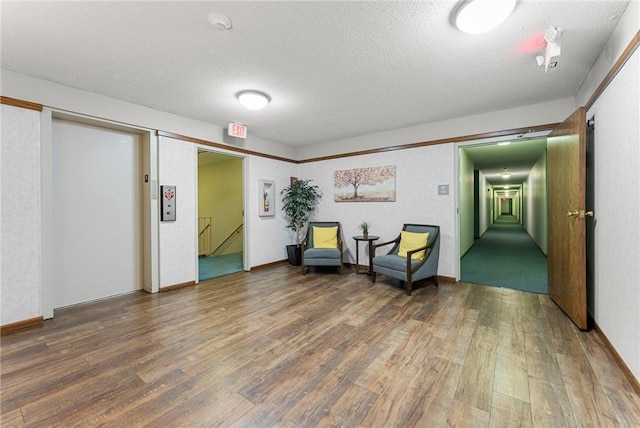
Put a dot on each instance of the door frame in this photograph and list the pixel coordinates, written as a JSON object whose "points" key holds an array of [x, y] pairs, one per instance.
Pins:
{"points": [[150, 232]]}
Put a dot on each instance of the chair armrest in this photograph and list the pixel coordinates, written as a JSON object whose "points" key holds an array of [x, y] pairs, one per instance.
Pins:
{"points": [[410, 253], [382, 244]]}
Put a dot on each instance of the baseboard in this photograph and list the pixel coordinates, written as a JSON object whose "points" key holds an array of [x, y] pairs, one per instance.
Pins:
{"points": [[177, 286], [447, 279], [10, 328], [268, 265], [623, 366]]}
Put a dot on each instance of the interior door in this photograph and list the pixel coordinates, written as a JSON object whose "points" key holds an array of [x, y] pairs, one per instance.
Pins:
{"points": [[566, 169]]}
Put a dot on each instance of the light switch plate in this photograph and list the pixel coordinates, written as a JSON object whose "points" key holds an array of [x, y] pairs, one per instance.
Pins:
{"points": [[443, 189]]}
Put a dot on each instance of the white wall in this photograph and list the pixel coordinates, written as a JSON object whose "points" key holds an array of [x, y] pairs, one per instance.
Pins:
{"points": [[268, 235], [418, 173], [617, 213], [20, 217], [177, 166], [535, 203], [466, 202], [617, 192]]}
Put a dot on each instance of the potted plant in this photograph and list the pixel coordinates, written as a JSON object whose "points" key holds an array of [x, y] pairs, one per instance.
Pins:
{"points": [[364, 226], [298, 202]]}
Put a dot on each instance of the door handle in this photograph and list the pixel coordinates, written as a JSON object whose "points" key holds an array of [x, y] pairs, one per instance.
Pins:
{"points": [[572, 213], [589, 213]]}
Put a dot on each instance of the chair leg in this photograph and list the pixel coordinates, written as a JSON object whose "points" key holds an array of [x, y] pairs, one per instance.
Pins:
{"points": [[409, 287], [435, 280], [373, 277], [304, 269]]}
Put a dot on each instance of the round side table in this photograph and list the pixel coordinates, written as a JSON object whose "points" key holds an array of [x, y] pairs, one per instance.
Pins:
{"points": [[369, 239]]}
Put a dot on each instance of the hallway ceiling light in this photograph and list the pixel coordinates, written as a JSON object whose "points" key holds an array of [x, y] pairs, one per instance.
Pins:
{"points": [[253, 100], [504, 143], [506, 175], [480, 16]]}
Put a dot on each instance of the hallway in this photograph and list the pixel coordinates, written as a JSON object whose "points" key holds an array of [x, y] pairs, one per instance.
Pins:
{"points": [[506, 256]]}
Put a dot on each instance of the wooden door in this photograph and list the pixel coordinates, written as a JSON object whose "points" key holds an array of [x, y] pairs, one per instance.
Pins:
{"points": [[566, 169]]}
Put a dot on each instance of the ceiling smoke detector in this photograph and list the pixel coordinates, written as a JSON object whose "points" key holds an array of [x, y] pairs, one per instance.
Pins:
{"points": [[219, 21]]}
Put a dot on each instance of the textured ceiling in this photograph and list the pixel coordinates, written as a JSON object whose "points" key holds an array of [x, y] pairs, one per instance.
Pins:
{"points": [[333, 69]]}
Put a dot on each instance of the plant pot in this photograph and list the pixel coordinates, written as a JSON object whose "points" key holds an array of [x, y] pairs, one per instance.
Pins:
{"points": [[365, 235], [294, 253]]}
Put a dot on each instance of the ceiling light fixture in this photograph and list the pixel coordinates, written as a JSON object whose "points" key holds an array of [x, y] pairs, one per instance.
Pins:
{"points": [[253, 100], [480, 16], [506, 175], [504, 143]]}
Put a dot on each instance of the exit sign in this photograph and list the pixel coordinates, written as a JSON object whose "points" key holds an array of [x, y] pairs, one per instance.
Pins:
{"points": [[237, 130]]}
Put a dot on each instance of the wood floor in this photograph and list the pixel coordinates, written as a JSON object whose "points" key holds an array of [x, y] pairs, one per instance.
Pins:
{"points": [[274, 348]]}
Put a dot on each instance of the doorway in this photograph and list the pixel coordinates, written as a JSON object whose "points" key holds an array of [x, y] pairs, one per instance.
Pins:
{"points": [[220, 214], [502, 213]]}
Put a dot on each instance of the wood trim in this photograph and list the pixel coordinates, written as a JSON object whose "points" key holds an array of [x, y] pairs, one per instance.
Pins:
{"points": [[177, 286], [267, 265], [622, 60], [623, 366], [12, 327], [447, 279], [221, 146], [20, 103], [460, 139]]}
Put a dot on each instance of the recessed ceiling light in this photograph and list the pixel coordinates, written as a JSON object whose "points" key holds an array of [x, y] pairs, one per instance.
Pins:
{"points": [[253, 100], [480, 16]]}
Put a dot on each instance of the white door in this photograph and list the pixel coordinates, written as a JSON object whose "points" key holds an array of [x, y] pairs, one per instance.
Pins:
{"points": [[96, 213]]}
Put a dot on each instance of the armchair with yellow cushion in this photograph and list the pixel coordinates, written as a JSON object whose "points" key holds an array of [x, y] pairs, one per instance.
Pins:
{"points": [[413, 256], [322, 245]]}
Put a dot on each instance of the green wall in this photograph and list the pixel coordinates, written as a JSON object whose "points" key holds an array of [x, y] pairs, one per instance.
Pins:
{"points": [[220, 195]]}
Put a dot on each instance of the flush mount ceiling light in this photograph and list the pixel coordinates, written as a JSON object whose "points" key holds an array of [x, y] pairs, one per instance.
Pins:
{"points": [[504, 143], [253, 100], [506, 175], [480, 16]]}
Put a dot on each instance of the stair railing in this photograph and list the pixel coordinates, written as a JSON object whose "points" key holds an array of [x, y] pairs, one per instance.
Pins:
{"points": [[237, 230]]}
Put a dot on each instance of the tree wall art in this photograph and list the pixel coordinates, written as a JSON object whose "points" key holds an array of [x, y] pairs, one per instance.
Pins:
{"points": [[373, 184]]}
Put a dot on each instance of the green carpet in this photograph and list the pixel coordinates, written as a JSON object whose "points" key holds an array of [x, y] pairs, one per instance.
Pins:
{"points": [[506, 256], [215, 266]]}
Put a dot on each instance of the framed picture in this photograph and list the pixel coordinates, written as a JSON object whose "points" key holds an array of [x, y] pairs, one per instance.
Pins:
{"points": [[373, 184], [267, 198]]}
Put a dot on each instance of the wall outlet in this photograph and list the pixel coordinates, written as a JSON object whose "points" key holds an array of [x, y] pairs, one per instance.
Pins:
{"points": [[443, 189]]}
